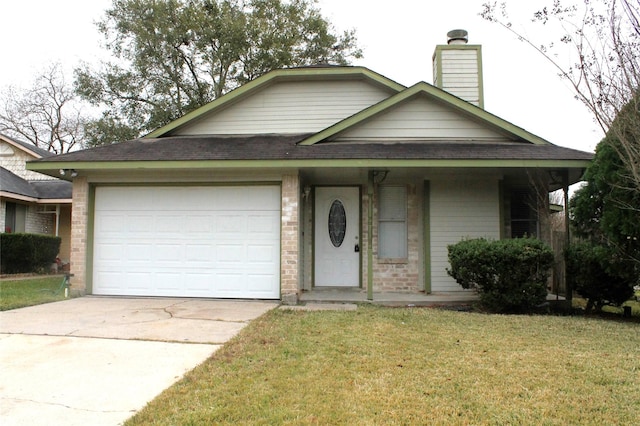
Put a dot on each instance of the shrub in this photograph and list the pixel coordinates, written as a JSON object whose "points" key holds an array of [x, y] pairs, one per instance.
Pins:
{"points": [[510, 275], [20, 253], [598, 274]]}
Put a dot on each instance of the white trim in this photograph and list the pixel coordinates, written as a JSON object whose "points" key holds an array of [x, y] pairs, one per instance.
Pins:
{"points": [[19, 197], [19, 146]]}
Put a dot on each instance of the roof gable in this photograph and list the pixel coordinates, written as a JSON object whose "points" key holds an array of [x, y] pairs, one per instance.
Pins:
{"points": [[250, 93], [487, 126], [27, 148]]}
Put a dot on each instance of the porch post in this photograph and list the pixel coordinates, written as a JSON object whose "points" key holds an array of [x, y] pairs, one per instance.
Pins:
{"points": [[79, 235], [289, 239], [370, 237], [567, 239]]}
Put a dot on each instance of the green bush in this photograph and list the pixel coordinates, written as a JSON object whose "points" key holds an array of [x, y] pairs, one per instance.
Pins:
{"points": [[22, 253], [510, 275], [598, 274]]}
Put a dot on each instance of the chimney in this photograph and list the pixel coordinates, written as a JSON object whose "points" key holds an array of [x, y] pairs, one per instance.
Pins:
{"points": [[457, 68]]}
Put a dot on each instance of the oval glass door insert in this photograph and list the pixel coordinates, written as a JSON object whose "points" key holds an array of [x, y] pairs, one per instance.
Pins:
{"points": [[337, 223]]}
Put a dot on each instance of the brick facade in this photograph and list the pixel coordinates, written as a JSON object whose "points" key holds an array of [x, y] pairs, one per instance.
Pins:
{"points": [[39, 223], [397, 275], [79, 240], [290, 240]]}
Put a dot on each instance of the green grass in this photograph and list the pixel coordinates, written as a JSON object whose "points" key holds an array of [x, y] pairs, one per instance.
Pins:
{"points": [[581, 303], [28, 292], [412, 366]]}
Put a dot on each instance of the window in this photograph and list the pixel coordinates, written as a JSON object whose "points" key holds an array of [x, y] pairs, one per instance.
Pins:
{"points": [[392, 222], [15, 217], [337, 223], [524, 218]]}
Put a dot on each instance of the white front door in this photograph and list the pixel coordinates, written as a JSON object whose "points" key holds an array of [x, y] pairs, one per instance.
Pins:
{"points": [[337, 237]]}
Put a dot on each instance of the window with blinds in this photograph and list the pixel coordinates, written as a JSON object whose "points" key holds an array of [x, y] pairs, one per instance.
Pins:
{"points": [[392, 222]]}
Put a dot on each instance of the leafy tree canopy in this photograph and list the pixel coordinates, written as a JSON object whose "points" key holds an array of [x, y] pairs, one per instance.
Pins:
{"points": [[607, 208], [173, 56]]}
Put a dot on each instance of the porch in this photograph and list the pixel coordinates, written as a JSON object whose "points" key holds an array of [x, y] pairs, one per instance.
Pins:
{"points": [[358, 295]]}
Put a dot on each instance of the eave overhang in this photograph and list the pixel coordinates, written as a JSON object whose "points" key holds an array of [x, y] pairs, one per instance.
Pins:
{"points": [[26, 198], [53, 167]]}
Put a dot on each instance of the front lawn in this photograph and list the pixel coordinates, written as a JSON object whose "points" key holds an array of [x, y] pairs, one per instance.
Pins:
{"points": [[412, 366], [32, 291]]}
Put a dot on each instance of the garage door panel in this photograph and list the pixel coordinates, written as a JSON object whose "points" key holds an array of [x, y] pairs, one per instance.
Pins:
{"points": [[260, 282], [110, 199], [200, 253], [229, 282], [199, 283], [142, 225], [261, 254], [200, 225], [229, 255], [193, 241], [168, 282], [136, 253], [138, 280], [230, 224], [112, 280], [263, 226], [166, 253], [110, 223], [109, 252]]}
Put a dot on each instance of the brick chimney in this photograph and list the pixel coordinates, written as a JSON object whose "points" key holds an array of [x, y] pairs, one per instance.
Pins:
{"points": [[457, 68]]}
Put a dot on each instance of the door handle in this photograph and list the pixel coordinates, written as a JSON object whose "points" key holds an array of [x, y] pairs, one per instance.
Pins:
{"points": [[357, 248]]}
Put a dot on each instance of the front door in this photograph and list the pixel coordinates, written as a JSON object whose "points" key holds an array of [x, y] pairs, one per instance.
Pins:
{"points": [[337, 237]]}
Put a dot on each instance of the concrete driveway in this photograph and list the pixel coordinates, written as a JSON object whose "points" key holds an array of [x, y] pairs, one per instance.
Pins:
{"points": [[97, 360]]}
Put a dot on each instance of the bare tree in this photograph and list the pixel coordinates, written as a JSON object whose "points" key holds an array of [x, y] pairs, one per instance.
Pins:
{"points": [[46, 115], [603, 40]]}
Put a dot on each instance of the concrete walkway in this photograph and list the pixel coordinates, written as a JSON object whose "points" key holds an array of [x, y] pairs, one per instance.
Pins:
{"points": [[357, 295], [97, 360]]}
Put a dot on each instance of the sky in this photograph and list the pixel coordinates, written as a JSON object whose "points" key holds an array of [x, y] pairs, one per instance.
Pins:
{"points": [[398, 39]]}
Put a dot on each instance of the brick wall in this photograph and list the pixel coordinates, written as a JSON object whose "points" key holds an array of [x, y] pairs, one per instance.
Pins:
{"points": [[39, 223], [397, 275], [290, 236], [79, 220]]}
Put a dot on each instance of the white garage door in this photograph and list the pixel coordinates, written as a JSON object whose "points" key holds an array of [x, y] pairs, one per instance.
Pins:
{"points": [[187, 241]]}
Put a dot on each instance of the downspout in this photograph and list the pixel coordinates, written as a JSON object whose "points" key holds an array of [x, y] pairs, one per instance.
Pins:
{"points": [[370, 237]]}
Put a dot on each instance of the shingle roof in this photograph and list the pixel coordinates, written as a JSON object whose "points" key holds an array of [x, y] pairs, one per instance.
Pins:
{"points": [[52, 189], [285, 147], [44, 190], [14, 184]]}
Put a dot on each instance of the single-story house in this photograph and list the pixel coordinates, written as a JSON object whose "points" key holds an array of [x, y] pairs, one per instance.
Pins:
{"points": [[311, 178], [32, 202]]}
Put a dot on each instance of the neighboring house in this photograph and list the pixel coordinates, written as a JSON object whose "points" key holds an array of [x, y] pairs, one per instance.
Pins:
{"points": [[311, 178], [29, 201]]}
